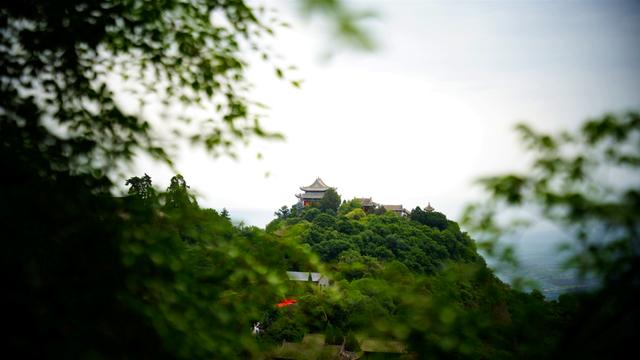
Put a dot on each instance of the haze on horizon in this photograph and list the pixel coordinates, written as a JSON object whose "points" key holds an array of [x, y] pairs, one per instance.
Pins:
{"points": [[431, 110]]}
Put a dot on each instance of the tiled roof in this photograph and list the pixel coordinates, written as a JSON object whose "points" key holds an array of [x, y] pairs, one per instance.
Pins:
{"points": [[317, 185], [428, 208], [311, 195], [366, 201], [392, 207], [303, 276]]}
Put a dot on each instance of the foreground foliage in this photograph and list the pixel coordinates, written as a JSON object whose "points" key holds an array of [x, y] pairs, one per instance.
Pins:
{"points": [[137, 276], [151, 275], [587, 182]]}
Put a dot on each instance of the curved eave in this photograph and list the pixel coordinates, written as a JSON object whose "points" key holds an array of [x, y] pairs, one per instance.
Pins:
{"points": [[314, 189]]}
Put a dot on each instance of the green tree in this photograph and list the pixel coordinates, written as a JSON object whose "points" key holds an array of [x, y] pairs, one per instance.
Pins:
{"points": [[94, 276], [330, 201], [225, 214], [347, 206], [566, 183], [356, 214], [283, 213], [141, 187], [325, 221], [173, 51], [178, 195], [309, 213], [330, 250], [433, 219], [57, 59]]}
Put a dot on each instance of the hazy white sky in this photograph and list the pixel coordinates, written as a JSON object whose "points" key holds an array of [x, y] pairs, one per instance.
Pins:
{"points": [[430, 110]]}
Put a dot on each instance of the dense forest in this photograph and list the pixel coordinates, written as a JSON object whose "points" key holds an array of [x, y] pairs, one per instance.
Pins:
{"points": [[95, 273], [416, 279], [178, 269]]}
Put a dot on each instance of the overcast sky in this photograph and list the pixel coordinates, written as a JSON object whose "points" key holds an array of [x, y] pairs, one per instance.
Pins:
{"points": [[430, 110]]}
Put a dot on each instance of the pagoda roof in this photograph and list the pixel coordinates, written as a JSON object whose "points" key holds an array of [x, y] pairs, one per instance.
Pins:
{"points": [[311, 195], [393, 207], [317, 185], [366, 201]]}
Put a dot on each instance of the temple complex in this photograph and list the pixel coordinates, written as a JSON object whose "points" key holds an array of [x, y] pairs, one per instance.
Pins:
{"points": [[312, 193], [315, 192]]}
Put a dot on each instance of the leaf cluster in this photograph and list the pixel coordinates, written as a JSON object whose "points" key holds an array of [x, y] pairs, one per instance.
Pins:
{"points": [[587, 183]]}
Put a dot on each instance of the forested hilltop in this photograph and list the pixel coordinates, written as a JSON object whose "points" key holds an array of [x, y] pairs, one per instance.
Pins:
{"points": [[415, 279], [422, 242]]}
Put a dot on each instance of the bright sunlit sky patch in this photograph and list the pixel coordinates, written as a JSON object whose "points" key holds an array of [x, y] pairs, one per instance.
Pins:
{"points": [[432, 109]]}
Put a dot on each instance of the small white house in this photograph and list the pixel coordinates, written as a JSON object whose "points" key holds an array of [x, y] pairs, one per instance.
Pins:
{"points": [[316, 278]]}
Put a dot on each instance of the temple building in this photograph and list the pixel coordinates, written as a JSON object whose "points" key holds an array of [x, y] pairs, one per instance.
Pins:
{"points": [[312, 277], [367, 204], [429, 208], [312, 193], [397, 209]]}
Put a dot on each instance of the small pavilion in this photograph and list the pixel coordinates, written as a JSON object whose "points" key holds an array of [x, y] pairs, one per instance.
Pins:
{"points": [[312, 193], [429, 208], [367, 204]]}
